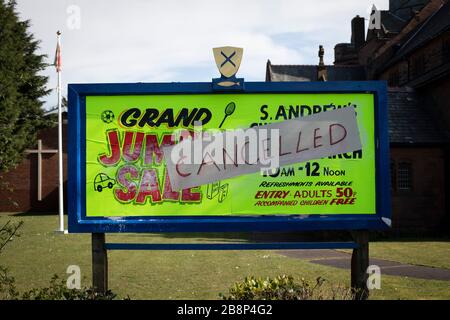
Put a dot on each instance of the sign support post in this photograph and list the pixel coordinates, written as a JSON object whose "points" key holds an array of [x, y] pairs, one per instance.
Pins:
{"points": [[359, 260], [359, 265], [99, 263]]}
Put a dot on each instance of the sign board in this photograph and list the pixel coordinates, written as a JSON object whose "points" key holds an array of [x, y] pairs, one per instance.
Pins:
{"points": [[119, 136]]}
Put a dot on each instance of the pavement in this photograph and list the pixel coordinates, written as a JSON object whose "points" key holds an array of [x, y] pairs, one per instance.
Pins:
{"points": [[339, 259]]}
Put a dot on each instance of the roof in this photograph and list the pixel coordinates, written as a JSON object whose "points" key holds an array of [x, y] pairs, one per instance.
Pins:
{"points": [[309, 73], [291, 72], [436, 24], [409, 123], [346, 73], [390, 22], [405, 9]]}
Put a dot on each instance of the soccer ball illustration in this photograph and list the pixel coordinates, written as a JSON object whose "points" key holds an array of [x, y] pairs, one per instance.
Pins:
{"points": [[107, 116]]}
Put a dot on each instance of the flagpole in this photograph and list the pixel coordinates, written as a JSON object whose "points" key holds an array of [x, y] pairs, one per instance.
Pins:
{"points": [[60, 146]]}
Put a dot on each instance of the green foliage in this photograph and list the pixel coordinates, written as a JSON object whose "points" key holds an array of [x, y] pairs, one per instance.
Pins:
{"points": [[8, 289], [285, 288], [57, 290], [21, 87], [7, 233]]}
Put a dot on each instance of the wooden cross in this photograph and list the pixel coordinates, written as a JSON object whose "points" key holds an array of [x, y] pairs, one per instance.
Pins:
{"points": [[39, 152]]}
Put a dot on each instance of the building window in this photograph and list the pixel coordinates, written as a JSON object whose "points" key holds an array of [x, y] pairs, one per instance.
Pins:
{"points": [[393, 175], [404, 176]]}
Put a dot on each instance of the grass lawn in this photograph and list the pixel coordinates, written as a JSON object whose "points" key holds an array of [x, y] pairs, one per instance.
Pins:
{"points": [[431, 254], [39, 253], [425, 253]]}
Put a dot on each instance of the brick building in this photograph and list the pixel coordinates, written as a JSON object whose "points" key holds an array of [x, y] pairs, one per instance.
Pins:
{"points": [[410, 50], [34, 182]]}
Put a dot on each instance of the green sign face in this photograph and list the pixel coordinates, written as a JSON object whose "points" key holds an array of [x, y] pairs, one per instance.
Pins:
{"points": [[125, 166]]}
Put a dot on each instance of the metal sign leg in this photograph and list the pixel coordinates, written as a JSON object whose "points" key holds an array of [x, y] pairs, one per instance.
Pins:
{"points": [[359, 265], [99, 263]]}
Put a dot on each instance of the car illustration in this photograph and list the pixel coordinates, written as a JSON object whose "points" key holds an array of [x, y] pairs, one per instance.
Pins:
{"points": [[102, 181]]}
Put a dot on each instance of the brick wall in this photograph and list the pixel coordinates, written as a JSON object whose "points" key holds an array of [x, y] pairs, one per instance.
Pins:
{"points": [[23, 179], [420, 65], [437, 95], [423, 207]]}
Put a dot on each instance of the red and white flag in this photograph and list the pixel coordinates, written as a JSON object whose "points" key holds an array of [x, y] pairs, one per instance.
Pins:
{"points": [[57, 62]]}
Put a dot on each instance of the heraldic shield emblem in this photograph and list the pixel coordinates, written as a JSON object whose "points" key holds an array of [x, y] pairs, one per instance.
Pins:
{"points": [[228, 60]]}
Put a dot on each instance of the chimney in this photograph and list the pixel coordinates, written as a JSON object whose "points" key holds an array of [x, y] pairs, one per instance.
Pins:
{"points": [[358, 32], [345, 54]]}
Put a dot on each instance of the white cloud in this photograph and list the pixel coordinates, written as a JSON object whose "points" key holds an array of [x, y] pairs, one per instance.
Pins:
{"points": [[137, 40]]}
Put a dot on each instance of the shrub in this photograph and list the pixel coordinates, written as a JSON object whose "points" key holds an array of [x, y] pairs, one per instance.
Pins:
{"points": [[57, 290], [7, 285], [285, 288]]}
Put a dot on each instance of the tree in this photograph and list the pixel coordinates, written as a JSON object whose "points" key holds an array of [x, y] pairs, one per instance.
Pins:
{"points": [[21, 87]]}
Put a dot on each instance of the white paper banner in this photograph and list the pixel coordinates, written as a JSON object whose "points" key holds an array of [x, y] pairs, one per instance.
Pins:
{"points": [[195, 162]]}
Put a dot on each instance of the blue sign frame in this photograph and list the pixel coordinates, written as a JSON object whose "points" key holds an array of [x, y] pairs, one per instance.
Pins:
{"points": [[79, 223]]}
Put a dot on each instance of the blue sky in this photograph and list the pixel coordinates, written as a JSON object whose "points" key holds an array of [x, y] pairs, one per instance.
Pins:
{"points": [[164, 41]]}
